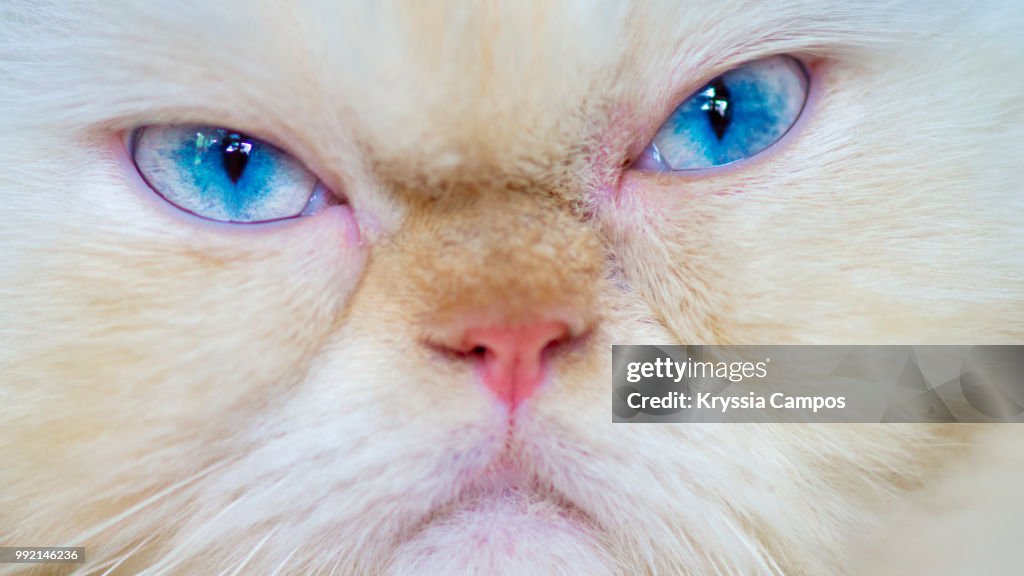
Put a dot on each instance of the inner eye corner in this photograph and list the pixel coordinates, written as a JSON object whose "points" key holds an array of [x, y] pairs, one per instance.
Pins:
{"points": [[129, 138]]}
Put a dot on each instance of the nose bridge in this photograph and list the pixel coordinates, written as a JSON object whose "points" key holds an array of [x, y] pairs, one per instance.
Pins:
{"points": [[501, 258], [505, 283]]}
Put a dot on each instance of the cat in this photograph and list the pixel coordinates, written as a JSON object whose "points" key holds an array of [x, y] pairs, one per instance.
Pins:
{"points": [[414, 379]]}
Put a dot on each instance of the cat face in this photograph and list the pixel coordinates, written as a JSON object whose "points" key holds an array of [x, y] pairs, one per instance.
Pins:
{"points": [[415, 379]]}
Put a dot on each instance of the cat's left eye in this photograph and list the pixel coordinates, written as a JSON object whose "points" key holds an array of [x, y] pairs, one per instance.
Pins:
{"points": [[735, 116], [225, 175]]}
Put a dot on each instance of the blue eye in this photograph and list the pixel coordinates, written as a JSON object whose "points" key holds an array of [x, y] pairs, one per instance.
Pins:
{"points": [[225, 175], [737, 115]]}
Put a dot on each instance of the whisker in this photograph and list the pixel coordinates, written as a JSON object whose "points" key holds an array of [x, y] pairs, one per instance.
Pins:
{"points": [[765, 559], [142, 505], [246, 560], [128, 555], [284, 562]]}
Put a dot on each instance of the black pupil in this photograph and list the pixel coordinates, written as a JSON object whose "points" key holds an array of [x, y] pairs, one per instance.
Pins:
{"points": [[718, 107], [235, 155]]}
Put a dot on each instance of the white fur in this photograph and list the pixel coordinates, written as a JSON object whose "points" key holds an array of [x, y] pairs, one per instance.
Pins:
{"points": [[184, 397]]}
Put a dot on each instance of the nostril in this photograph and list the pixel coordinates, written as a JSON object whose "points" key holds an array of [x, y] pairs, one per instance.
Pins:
{"points": [[558, 341], [513, 358]]}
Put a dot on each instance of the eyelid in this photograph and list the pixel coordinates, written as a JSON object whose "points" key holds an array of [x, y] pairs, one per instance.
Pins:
{"points": [[328, 177], [131, 135], [128, 139], [283, 181], [809, 65], [690, 89]]}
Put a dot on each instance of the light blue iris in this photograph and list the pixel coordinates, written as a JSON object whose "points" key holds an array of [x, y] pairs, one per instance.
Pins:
{"points": [[738, 115], [200, 160], [222, 175]]}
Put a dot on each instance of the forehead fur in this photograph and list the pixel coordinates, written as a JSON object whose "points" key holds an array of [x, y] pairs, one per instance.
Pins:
{"points": [[428, 88]]}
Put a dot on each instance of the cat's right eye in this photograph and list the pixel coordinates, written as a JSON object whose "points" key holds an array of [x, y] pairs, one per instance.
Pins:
{"points": [[225, 175]]}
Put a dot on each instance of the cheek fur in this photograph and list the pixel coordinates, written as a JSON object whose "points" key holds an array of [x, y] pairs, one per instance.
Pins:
{"points": [[165, 341]]}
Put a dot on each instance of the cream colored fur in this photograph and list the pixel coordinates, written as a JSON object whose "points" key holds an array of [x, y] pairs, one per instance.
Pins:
{"points": [[190, 398]]}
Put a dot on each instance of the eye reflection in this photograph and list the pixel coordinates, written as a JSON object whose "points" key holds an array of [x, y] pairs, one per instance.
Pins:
{"points": [[716, 104], [236, 155]]}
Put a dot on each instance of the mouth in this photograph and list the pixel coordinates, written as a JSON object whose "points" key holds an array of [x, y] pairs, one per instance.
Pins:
{"points": [[501, 503], [504, 522]]}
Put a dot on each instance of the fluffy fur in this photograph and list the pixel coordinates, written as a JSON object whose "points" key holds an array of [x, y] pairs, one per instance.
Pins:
{"points": [[191, 398]]}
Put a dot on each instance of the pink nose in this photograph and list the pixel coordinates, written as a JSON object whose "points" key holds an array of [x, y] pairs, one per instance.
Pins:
{"points": [[514, 356]]}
